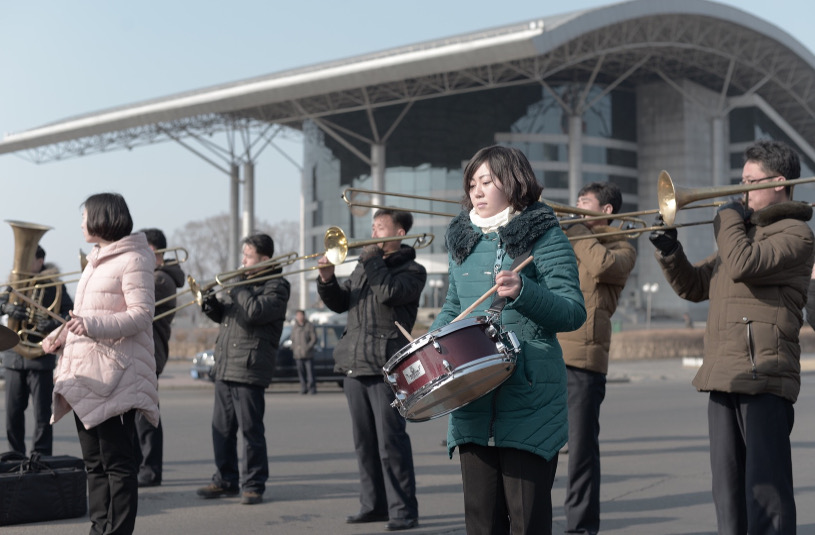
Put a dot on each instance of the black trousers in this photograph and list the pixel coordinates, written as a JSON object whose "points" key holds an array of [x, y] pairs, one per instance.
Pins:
{"points": [[586, 391], [151, 449], [506, 491], [20, 384], [239, 406], [751, 463], [384, 452], [305, 371], [111, 459]]}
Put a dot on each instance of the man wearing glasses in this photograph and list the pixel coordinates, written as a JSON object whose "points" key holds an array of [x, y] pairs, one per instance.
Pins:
{"points": [[757, 285]]}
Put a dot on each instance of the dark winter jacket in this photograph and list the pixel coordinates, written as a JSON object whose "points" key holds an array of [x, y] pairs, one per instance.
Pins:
{"points": [[251, 323], [757, 285], [604, 263], [167, 278], [13, 360], [528, 411], [379, 292]]}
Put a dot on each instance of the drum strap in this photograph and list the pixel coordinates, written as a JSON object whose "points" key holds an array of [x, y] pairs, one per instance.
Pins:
{"points": [[498, 303]]}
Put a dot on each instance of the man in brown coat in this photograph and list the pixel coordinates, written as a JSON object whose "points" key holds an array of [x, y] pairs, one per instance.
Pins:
{"points": [[757, 286], [604, 264], [303, 340]]}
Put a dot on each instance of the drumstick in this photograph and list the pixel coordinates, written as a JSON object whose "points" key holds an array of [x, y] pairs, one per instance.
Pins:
{"points": [[492, 290], [404, 331]]}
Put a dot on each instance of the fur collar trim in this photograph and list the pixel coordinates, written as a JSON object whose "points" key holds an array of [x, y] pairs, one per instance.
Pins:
{"points": [[517, 236], [783, 210]]}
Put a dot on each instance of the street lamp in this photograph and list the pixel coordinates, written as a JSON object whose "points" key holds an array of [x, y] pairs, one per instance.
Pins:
{"points": [[650, 288]]}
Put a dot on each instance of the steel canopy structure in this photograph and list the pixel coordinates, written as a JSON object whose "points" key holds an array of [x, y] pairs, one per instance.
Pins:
{"points": [[718, 47]]}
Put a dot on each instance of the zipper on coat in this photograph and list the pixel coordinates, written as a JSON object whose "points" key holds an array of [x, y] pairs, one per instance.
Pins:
{"points": [[750, 349], [493, 411]]}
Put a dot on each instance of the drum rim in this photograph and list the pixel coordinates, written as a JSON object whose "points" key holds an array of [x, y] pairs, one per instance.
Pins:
{"points": [[501, 358], [422, 340]]}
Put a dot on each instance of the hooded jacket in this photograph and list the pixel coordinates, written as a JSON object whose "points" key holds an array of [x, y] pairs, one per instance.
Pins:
{"points": [[604, 264], [167, 279], [111, 370], [757, 285], [251, 321], [528, 411], [379, 292]]}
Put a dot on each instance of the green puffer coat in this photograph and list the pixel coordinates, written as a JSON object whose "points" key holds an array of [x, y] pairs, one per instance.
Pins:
{"points": [[528, 411]]}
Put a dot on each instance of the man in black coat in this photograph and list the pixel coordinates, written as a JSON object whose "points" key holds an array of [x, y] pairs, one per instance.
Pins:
{"points": [[384, 288], [33, 377], [251, 322], [167, 276]]}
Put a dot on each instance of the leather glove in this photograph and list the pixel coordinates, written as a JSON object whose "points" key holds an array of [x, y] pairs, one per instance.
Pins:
{"points": [[209, 303], [664, 239], [369, 251], [738, 206], [17, 312], [46, 324]]}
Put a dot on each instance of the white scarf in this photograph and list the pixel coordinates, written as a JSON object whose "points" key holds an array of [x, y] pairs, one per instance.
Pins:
{"points": [[493, 223]]}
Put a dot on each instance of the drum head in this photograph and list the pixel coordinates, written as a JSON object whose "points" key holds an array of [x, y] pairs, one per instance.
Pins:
{"points": [[8, 338]]}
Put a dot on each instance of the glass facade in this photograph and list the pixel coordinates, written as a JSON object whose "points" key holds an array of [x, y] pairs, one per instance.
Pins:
{"points": [[430, 145]]}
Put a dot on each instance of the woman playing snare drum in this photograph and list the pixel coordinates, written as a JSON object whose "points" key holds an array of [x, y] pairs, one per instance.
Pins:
{"points": [[509, 439]]}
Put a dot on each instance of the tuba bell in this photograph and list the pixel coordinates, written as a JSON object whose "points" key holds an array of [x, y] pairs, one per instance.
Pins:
{"points": [[26, 238]]}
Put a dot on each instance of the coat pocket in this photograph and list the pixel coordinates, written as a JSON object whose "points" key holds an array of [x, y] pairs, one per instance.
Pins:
{"points": [[101, 369]]}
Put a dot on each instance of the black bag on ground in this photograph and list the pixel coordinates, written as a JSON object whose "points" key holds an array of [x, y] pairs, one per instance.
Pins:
{"points": [[41, 488]]}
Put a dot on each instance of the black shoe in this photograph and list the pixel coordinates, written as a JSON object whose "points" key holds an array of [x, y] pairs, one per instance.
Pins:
{"points": [[402, 523], [361, 518], [214, 491]]}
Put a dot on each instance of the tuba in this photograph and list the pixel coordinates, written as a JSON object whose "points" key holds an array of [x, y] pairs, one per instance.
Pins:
{"points": [[26, 238]]}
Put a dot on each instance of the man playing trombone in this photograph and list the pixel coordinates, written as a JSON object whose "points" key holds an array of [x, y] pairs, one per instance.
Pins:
{"points": [[167, 276], [384, 288], [604, 264], [33, 377], [251, 322], [757, 283]]}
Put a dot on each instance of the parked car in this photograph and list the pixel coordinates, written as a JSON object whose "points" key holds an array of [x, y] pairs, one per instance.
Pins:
{"points": [[285, 368]]}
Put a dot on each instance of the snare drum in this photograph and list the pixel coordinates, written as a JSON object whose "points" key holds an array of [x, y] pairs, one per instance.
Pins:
{"points": [[449, 367]]}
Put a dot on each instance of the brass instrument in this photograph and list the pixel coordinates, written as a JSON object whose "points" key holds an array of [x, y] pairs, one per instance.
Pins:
{"points": [[558, 208], [26, 238], [672, 198], [202, 291]]}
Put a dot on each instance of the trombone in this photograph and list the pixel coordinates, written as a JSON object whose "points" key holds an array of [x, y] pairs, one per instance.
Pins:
{"points": [[83, 261], [672, 198], [202, 291]]}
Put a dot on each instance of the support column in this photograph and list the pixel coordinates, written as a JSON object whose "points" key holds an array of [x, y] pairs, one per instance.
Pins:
{"points": [[234, 202], [304, 289], [719, 154], [377, 171], [575, 157], [248, 223]]}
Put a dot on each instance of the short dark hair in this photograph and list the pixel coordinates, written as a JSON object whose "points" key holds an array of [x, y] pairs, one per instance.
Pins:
{"points": [[512, 169], [108, 216], [155, 237], [262, 243], [401, 218], [775, 158], [606, 193], [39, 253]]}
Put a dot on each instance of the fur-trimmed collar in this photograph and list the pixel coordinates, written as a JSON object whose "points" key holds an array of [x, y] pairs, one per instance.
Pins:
{"points": [[406, 253], [783, 210], [518, 235]]}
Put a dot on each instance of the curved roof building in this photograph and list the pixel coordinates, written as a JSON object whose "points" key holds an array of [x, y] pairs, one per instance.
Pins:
{"points": [[615, 93]]}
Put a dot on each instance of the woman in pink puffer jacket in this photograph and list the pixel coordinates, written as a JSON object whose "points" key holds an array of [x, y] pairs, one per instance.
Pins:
{"points": [[106, 371]]}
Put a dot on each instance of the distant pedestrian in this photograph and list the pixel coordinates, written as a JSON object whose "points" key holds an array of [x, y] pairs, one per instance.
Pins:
{"points": [[303, 340]]}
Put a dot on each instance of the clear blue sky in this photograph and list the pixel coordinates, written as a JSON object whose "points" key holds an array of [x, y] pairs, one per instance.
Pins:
{"points": [[59, 59]]}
